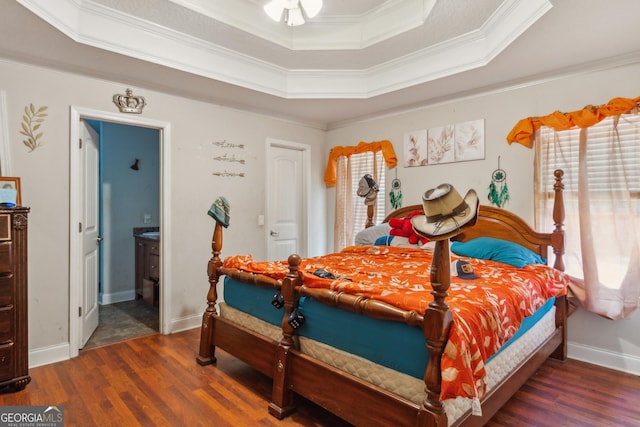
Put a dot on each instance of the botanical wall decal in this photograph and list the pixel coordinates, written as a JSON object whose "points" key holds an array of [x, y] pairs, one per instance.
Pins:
{"points": [[31, 122]]}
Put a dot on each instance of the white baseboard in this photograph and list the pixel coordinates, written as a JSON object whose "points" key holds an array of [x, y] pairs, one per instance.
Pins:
{"points": [[597, 356], [186, 323], [608, 359], [58, 353], [46, 355], [115, 297]]}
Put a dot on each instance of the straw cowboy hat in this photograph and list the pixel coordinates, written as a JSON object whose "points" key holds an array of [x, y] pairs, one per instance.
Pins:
{"points": [[446, 213]]}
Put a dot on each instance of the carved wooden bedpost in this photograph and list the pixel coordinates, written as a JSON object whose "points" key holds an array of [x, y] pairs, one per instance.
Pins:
{"points": [[558, 220], [369, 216], [558, 243], [207, 348], [437, 322], [282, 404]]}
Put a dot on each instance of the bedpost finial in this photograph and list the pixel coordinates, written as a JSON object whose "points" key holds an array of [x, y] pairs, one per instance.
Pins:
{"points": [[294, 260]]}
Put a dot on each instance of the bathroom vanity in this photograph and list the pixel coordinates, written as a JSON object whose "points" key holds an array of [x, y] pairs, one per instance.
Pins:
{"points": [[147, 250]]}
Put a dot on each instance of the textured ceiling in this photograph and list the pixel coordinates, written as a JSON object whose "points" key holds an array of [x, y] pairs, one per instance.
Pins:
{"points": [[358, 58]]}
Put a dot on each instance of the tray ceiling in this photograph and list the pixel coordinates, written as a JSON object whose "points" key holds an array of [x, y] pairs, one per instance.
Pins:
{"points": [[355, 59]]}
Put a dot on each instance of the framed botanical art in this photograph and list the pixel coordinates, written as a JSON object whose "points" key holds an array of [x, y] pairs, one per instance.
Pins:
{"points": [[441, 144], [415, 148], [469, 140]]}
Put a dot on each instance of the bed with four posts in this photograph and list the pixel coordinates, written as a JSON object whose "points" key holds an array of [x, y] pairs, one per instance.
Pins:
{"points": [[383, 335]]}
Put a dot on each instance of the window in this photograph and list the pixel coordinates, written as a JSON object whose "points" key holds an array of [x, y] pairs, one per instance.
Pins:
{"points": [[601, 163], [373, 164], [345, 168]]}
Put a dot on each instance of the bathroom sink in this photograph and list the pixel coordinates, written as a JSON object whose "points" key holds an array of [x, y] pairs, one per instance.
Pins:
{"points": [[151, 234]]}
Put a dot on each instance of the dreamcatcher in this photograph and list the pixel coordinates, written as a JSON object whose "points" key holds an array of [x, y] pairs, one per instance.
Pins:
{"points": [[395, 195], [498, 190]]}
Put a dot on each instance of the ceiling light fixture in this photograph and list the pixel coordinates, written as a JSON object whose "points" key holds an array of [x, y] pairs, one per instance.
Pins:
{"points": [[293, 10]]}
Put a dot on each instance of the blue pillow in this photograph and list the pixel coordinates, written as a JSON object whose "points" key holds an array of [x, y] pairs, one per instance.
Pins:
{"points": [[497, 250], [384, 240]]}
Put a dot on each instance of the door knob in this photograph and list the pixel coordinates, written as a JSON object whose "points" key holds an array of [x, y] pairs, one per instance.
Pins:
{"points": [[274, 233]]}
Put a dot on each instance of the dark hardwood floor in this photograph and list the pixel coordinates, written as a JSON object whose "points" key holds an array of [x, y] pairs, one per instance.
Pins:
{"points": [[155, 381]]}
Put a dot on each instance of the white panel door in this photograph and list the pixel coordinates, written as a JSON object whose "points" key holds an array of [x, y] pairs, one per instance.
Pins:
{"points": [[90, 155], [285, 202]]}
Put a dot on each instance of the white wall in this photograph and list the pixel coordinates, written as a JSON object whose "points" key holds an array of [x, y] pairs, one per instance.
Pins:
{"points": [[592, 338], [194, 127]]}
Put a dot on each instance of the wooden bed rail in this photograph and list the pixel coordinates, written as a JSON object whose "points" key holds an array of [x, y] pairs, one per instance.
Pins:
{"points": [[362, 305], [253, 278]]}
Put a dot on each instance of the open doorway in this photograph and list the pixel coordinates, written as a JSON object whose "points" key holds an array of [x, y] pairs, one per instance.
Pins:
{"points": [[84, 297], [129, 222]]}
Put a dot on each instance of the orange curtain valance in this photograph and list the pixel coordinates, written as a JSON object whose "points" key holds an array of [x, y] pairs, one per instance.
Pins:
{"points": [[525, 129], [385, 146]]}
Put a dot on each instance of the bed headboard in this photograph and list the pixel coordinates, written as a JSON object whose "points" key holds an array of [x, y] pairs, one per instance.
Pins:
{"points": [[497, 223], [505, 225]]}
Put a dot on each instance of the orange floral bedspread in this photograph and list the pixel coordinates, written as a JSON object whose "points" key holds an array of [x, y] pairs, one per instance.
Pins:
{"points": [[486, 311]]}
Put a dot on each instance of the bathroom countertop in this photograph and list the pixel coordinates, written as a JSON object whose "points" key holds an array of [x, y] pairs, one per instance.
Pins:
{"points": [[152, 233]]}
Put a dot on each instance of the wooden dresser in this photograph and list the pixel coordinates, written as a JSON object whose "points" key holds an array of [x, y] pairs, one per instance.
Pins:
{"points": [[14, 337]]}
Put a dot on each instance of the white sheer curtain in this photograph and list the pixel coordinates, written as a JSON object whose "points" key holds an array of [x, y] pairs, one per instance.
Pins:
{"points": [[343, 215], [351, 212], [602, 201]]}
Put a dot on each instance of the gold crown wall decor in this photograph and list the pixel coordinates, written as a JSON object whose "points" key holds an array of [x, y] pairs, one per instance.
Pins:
{"points": [[129, 103]]}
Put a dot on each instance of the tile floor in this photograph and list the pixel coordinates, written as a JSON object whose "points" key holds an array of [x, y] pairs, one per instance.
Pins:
{"points": [[124, 320]]}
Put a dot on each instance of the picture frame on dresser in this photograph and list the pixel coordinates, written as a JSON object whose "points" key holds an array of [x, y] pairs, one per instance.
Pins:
{"points": [[11, 183]]}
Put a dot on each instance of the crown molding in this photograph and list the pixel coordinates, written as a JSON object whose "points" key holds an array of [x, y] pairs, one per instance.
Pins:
{"points": [[464, 53], [90, 23]]}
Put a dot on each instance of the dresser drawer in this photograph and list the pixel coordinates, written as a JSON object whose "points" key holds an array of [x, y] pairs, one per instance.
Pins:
{"points": [[7, 361], [6, 257], [6, 324], [5, 226], [6, 290]]}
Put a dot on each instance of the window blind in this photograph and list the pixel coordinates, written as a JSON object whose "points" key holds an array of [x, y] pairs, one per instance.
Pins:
{"points": [[602, 146]]}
